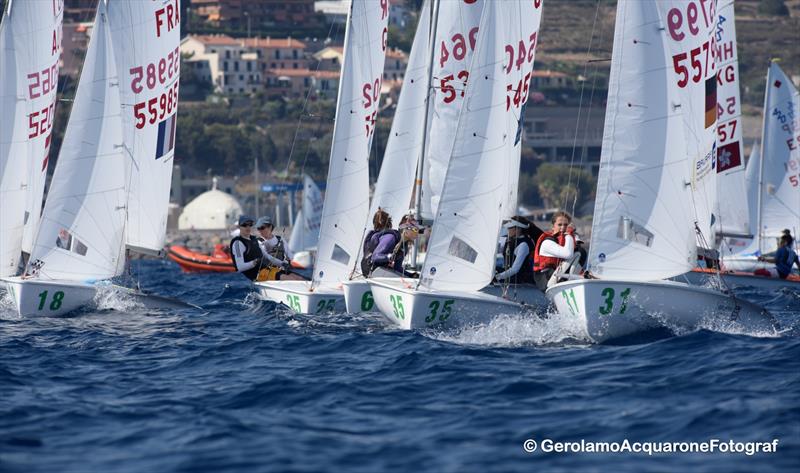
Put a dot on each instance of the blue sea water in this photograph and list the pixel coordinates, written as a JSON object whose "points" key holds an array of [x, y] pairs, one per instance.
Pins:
{"points": [[245, 386]]}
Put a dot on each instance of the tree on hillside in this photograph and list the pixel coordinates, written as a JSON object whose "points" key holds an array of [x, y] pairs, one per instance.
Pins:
{"points": [[558, 186], [773, 7]]}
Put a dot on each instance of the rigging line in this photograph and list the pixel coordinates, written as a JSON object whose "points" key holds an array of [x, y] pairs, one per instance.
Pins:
{"points": [[305, 103], [578, 119]]}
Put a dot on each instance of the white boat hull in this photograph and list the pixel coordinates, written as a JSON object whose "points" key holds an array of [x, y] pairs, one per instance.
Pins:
{"points": [[740, 279], [298, 296], [610, 309], [410, 308], [358, 296], [744, 263], [49, 298]]}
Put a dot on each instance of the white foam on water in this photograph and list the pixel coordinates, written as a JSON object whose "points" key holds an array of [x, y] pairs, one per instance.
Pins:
{"points": [[116, 298], [522, 329]]}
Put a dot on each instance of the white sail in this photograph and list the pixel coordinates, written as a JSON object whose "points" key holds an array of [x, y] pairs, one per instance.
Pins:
{"points": [[305, 231], [81, 236], [395, 183], [30, 48], [733, 215], [347, 191], [146, 38], [690, 41], [780, 157], [746, 245], [457, 33], [642, 228], [461, 251]]}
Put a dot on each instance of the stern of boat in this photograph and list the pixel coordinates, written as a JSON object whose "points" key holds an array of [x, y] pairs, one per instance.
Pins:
{"points": [[298, 296], [49, 298], [358, 296], [409, 308], [612, 309]]}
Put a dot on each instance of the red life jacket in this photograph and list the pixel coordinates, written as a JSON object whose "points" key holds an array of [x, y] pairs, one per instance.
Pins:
{"points": [[540, 262]]}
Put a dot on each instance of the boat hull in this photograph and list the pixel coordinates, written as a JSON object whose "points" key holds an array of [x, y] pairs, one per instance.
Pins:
{"points": [[34, 297], [298, 296], [193, 262], [410, 308], [358, 296], [611, 309], [737, 279]]}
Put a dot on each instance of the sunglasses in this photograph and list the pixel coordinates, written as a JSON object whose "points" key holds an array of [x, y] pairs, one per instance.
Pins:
{"points": [[262, 227], [249, 224]]}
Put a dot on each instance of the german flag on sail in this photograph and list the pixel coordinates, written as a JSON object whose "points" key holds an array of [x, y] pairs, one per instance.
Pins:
{"points": [[711, 101], [166, 136]]}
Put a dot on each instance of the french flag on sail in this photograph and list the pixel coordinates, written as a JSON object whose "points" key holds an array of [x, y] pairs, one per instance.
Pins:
{"points": [[166, 136]]}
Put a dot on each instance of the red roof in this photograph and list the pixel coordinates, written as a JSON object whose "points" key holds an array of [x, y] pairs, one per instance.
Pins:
{"points": [[225, 40]]}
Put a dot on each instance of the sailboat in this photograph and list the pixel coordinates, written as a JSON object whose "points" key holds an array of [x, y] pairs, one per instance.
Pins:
{"points": [[347, 191], [655, 146], [305, 230], [107, 189], [479, 185], [395, 184], [776, 187], [30, 49]]}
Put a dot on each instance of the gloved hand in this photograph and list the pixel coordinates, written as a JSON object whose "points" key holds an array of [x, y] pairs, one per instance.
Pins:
{"points": [[570, 230], [286, 266]]}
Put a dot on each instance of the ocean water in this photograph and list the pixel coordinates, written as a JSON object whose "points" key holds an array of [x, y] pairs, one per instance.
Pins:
{"points": [[244, 386]]}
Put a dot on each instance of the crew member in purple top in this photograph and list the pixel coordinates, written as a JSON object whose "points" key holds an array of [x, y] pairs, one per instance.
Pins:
{"points": [[392, 247]]}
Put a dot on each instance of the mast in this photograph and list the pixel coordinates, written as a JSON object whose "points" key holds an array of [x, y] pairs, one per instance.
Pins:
{"points": [[761, 161], [421, 160]]}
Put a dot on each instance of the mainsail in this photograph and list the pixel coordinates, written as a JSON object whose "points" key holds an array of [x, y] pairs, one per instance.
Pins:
{"points": [[643, 216], [30, 49], [81, 236], [305, 231], [733, 215], [396, 179], [457, 33], [779, 201], [347, 191], [146, 39], [461, 251]]}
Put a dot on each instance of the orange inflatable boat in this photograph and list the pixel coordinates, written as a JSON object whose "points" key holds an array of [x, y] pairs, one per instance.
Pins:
{"points": [[192, 261]]}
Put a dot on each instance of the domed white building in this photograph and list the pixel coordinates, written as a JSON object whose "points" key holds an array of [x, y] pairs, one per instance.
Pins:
{"points": [[211, 210]]}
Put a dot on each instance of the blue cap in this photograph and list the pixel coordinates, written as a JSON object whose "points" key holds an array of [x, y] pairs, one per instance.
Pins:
{"points": [[244, 219], [263, 221]]}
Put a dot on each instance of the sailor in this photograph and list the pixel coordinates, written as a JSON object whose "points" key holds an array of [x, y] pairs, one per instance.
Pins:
{"points": [[382, 237], [517, 251], [276, 255], [784, 258], [247, 256], [409, 230], [552, 248]]}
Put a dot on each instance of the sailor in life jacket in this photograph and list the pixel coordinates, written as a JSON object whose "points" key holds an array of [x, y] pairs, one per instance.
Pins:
{"points": [[247, 256], [378, 243], [276, 255], [518, 251], [552, 248]]}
